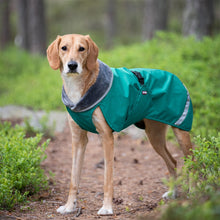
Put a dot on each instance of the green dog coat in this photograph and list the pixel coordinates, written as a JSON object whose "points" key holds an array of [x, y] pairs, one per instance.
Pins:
{"points": [[127, 96]]}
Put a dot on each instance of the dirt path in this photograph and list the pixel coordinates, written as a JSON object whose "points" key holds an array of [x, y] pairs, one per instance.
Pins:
{"points": [[138, 187]]}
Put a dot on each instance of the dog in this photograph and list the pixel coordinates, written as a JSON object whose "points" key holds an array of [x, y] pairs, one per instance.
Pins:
{"points": [[87, 82]]}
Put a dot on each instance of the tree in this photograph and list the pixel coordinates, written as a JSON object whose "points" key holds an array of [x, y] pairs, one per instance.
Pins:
{"points": [[110, 29], [5, 31], [22, 39], [36, 26], [31, 25], [198, 18], [155, 17]]}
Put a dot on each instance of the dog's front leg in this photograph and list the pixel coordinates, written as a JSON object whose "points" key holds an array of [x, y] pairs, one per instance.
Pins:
{"points": [[108, 147], [79, 141]]}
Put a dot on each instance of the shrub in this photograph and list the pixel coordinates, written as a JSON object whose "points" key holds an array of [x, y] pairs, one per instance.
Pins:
{"points": [[20, 172], [199, 183], [202, 174], [194, 210]]}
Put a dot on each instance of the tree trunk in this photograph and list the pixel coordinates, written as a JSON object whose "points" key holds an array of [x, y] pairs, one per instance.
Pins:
{"points": [[31, 26], [198, 18], [110, 28], [155, 17], [36, 26], [22, 30], [5, 32]]}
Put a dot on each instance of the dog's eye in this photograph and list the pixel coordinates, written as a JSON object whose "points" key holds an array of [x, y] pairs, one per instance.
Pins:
{"points": [[81, 49], [64, 48]]}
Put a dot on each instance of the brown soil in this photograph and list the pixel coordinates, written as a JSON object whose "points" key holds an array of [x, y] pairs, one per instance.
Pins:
{"points": [[138, 186]]}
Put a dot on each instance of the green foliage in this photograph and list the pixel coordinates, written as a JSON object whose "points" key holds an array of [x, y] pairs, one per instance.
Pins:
{"points": [[199, 183], [194, 210], [20, 172], [29, 81], [201, 173]]}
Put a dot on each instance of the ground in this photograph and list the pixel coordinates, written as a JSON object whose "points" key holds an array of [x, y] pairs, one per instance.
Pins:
{"points": [[138, 185]]}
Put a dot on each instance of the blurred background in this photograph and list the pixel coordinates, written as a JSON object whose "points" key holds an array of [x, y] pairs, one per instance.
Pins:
{"points": [[33, 24], [180, 36]]}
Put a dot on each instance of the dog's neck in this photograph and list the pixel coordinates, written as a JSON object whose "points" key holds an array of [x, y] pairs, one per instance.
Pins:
{"points": [[76, 85]]}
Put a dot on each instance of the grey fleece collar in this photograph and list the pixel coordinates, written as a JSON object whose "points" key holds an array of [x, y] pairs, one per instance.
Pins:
{"points": [[95, 93]]}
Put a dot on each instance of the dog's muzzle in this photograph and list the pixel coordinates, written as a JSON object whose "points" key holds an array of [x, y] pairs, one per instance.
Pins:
{"points": [[72, 65]]}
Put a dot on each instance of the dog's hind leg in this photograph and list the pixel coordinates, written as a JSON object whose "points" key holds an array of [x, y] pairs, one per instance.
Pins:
{"points": [[183, 138], [79, 141], [156, 132]]}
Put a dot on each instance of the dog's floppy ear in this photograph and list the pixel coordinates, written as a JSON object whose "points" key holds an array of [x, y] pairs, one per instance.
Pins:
{"points": [[92, 55], [53, 53]]}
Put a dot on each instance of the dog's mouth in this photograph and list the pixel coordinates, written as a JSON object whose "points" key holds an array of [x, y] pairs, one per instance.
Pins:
{"points": [[72, 72]]}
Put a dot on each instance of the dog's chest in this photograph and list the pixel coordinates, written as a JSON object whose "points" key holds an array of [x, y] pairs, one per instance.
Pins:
{"points": [[73, 87]]}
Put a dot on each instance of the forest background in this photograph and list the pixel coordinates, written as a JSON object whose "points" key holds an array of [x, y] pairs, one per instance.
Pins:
{"points": [[32, 24], [126, 33]]}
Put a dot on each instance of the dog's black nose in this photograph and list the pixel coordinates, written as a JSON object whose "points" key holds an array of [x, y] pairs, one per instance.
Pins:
{"points": [[73, 66]]}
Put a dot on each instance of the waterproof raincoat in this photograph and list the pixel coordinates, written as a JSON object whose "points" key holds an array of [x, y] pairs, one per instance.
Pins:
{"points": [[128, 98]]}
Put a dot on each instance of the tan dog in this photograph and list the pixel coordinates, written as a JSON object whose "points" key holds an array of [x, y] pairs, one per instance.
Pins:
{"points": [[76, 57]]}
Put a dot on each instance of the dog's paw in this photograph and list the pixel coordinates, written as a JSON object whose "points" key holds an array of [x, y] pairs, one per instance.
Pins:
{"points": [[66, 209], [104, 211], [170, 195]]}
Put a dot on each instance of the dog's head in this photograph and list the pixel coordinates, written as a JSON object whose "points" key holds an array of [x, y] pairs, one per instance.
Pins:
{"points": [[73, 53]]}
